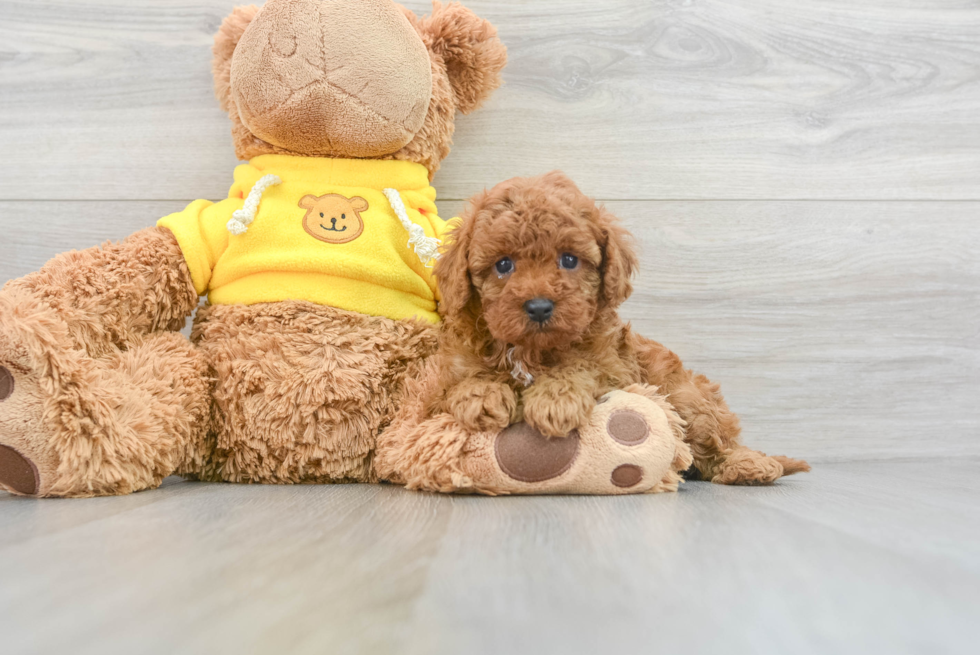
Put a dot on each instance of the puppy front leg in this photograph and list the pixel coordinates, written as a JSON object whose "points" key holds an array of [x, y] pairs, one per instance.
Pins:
{"points": [[481, 405], [561, 401]]}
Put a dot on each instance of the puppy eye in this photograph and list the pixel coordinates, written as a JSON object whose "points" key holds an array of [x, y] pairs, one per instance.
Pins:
{"points": [[568, 261], [504, 266], [343, 217], [321, 214]]}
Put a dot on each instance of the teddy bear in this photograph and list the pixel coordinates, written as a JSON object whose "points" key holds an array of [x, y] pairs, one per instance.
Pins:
{"points": [[322, 310], [342, 108]]}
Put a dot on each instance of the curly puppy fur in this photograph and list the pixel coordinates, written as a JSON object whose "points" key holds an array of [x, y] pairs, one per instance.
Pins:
{"points": [[512, 247]]}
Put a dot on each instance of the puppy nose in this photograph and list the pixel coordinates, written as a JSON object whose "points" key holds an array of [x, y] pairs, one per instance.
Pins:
{"points": [[539, 309]]}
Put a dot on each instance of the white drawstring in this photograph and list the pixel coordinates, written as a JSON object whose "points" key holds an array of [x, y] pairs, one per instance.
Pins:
{"points": [[242, 218], [427, 248]]}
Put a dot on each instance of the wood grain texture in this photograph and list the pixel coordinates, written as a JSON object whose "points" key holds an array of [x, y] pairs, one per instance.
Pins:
{"points": [[842, 329], [672, 99], [854, 558], [838, 330]]}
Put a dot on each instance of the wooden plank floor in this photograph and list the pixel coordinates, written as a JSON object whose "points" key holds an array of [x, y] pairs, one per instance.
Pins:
{"points": [[673, 99], [802, 177], [873, 557], [804, 183]]}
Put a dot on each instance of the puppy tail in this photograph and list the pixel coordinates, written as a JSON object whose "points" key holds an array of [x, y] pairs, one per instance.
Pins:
{"points": [[791, 466]]}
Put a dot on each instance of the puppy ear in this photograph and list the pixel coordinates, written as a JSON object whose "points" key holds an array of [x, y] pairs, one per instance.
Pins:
{"points": [[308, 202], [619, 260], [469, 46], [359, 204], [452, 269], [225, 40]]}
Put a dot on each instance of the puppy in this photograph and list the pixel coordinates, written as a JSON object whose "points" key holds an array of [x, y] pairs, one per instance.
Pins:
{"points": [[531, 281]]}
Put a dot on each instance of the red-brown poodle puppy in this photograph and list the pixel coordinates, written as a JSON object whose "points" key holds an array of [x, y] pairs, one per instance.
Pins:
{"points": [[531, 281]]}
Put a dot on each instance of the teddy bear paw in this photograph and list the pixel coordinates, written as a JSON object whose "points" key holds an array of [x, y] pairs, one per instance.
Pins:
{"points": [[631, 444], [23, 456]]}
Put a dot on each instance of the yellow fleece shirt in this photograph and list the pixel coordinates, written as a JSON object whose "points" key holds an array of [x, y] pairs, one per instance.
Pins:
{"points": [[326, 233]]}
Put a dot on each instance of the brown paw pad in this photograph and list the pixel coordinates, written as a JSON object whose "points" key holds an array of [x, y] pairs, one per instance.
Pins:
{"points": [[17, 472], [628, 427], [526, 455], [627, 475], [6, 383]]}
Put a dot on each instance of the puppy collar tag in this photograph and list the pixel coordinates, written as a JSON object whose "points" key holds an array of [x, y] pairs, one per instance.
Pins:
{"points": [[518, 372]]}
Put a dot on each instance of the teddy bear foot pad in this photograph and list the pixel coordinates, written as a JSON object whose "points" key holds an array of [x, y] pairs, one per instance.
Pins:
{"points": [[17, 472], [525, 455], [20, 414], [629, 446]]}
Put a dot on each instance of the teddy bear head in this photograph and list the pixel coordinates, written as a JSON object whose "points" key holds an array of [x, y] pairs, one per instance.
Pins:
{"points": [[352, 78]]}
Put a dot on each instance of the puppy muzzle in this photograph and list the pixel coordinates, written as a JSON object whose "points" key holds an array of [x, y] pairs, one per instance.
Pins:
{"points": [[539, 310]]}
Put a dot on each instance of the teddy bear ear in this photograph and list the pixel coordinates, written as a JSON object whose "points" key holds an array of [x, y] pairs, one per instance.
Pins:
{"points": [[307, 202], [469, 46], [359, 204], [225, 40]]}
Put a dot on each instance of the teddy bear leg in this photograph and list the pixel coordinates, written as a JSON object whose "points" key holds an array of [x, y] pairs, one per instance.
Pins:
{"points": [[107, 295], [80, 409], [302, 390], [633, 443], [422, 452], [101, 427]]}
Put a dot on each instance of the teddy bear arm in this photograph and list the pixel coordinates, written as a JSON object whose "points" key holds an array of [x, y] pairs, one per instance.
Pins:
{"points": [[111, 294]]}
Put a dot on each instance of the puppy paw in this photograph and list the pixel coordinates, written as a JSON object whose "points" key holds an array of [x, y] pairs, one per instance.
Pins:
{"points": [[553, 413], [482, 406]]}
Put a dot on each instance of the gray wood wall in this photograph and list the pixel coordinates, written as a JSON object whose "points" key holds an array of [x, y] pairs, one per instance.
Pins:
{"points": [[803, 179]]}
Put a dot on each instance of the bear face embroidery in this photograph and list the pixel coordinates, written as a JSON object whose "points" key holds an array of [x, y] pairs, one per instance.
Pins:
{"points": [[333, 218]]}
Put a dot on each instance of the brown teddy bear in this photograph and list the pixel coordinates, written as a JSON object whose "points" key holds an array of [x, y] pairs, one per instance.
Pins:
{"points": [[322, 306], [317, 267]]}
